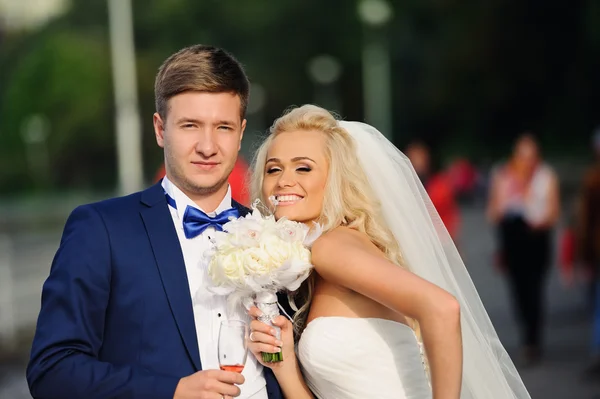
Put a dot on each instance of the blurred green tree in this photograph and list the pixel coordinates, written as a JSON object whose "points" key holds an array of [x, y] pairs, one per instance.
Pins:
{"points": [[467, 75], [63, 77]]}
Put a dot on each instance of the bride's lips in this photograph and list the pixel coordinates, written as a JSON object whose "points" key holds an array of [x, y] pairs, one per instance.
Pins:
{"points": [[205, 165], [288, 199]]}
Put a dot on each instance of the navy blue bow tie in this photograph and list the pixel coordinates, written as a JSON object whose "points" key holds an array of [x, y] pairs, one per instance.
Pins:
{"points": [[195, 221]]}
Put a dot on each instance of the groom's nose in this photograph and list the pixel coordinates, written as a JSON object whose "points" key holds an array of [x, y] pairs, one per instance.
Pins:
{"points": [[206, 144]]}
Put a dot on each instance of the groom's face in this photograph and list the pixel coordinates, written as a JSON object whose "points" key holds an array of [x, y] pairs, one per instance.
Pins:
{"points": [[296, 174], [201, 136]]}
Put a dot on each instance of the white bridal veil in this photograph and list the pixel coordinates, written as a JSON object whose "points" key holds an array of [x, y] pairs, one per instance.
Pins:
{"points": [[429, 252]]}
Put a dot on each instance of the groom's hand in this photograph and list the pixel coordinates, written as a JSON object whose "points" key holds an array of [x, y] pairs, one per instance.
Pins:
{"points": [[209, 384]]}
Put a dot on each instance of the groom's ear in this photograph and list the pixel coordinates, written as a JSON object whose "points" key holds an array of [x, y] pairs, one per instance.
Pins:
{"points": [[159, 129], [242, 128]]}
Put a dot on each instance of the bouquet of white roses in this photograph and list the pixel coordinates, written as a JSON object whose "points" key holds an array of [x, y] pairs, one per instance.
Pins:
{"points": [[256, 256]]}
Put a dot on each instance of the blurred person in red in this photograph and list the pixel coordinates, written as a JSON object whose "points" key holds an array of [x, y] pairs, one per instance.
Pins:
{"points": [[437, 184], [463, 177], [238, 180], [588, 246], [524, 206]]}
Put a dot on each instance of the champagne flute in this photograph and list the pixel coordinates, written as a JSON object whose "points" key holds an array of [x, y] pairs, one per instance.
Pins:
{"points": [[233, 345]]}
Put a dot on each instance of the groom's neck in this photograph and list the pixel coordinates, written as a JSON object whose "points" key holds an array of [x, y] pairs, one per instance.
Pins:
{"points": [[208, 200]]}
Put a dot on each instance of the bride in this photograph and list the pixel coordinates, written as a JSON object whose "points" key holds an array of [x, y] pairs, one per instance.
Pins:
{"points": [[390, 310]]}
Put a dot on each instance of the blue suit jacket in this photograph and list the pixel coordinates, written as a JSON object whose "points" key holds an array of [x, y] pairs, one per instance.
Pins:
{"points": [[116, 319]]}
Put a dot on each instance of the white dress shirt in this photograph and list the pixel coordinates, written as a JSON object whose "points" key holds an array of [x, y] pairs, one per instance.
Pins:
{"points": [[209, 309]]}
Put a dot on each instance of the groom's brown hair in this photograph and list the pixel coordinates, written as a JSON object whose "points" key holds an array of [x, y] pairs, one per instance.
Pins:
{"points": [[200, 68]]}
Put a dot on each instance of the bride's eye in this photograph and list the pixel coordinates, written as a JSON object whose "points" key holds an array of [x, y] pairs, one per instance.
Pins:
{"points": [[304, 169], [272, 170]]}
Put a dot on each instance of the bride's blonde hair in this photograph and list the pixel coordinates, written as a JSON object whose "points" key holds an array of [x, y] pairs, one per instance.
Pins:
{"points": [[348, 199]]}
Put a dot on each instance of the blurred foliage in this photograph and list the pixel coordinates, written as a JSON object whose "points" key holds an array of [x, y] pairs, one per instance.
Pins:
{"points": [[468, 76]]}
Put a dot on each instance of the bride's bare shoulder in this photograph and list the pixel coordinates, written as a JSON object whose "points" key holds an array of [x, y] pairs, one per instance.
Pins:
{"points": [[338, 242], [349, 259]]}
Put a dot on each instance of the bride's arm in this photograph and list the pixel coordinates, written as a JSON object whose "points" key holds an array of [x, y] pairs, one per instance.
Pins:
{"points": [[287, 372], [348, 258]]}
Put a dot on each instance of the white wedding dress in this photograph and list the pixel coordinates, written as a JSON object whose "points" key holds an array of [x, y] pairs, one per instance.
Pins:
{"points": [[346, 358], [358, 358]]}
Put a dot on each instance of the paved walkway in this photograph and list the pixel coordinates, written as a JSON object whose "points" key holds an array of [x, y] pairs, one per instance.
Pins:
{"points": [[567, 332]]}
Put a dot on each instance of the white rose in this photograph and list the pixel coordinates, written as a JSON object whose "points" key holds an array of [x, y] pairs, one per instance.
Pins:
{"points": [[299, 252], [256, 261], [291, 231], [277, 249], [232, 266], [226, 267]]}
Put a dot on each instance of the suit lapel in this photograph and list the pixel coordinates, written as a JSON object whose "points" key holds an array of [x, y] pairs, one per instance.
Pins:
{"points": [[171, 266], [241, 208]]}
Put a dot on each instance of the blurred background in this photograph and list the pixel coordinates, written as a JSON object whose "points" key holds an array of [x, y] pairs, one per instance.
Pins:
{"points": [[464, 79]]}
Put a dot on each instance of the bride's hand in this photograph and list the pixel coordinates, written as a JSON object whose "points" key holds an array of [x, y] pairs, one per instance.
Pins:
{"points": [[262, 339]]}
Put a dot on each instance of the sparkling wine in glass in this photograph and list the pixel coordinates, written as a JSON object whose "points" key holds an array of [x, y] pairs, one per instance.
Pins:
{"points": [[233, 345]]}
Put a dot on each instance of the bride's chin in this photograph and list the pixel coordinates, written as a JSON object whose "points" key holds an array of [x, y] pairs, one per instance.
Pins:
{"points": [[288, 215]]}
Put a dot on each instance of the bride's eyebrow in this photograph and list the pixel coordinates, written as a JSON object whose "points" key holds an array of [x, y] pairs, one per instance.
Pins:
{"points": [[298, 159], [295, 159]]}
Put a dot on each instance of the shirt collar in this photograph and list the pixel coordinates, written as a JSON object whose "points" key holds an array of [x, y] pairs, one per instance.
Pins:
{"points": [[183, 201]]}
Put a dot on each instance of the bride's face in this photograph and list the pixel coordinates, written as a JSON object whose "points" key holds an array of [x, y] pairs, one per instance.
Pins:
{"points": [[296, 174]]}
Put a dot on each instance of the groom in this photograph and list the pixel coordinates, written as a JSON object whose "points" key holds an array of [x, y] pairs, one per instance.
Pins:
{"points": [[125, 310]]}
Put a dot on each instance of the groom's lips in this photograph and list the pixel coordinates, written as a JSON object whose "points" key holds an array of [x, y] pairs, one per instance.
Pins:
{"points": [[205, 165]]}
